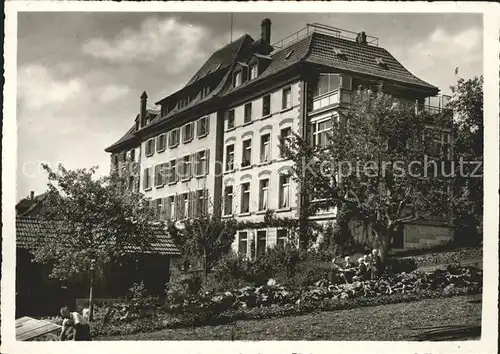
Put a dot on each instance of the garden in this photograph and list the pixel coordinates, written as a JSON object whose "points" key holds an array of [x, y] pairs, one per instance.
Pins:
{"points": [[278, 284]]}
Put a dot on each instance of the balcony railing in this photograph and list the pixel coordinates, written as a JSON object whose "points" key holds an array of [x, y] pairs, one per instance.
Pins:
{"points": [[324, 29], [331, 98]]}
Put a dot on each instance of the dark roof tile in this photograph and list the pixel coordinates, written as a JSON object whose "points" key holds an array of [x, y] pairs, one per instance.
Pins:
{"points": [[29, 231], [360, 58], [221, 58]]}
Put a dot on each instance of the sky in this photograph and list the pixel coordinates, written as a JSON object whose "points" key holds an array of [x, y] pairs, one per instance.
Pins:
{"points": [[80, 74]]}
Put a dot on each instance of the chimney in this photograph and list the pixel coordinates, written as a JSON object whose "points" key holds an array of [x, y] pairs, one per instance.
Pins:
{"points": [[32, 195], [142, 114], [361, 38], [265, 30]]}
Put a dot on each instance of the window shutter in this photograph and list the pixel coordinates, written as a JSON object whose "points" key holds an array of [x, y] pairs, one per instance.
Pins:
{"points": [[175, 215], [207, 124], [192, 171], [205, 201], [166, 208], [207, 160], [145, 179], [190, 210]]}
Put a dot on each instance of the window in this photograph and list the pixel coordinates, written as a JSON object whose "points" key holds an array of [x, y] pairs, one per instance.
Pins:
{"points": [[237, 79], [170, 208], [287, 98], [246, 159], [202, 127], [253, 71], [327, 83], [173, 138], [164, 110], [438, 143], [201, 202], [161, 142], [285, 137], [266, 105], [158, 207], [261, 242], [320, 131], [245, 197], [242, 243], [265, 148], [380, 62], [228, 200], [150, 147], [131, 155], [201, 167], [185, 206], [205, 91], [248, 113], [338, 52], [284, 197], [187, 132], [147, 179], [230, 157], [263, 194], [281, 237], [186, 167], [230, 119], [171, 172], [159, 180]]}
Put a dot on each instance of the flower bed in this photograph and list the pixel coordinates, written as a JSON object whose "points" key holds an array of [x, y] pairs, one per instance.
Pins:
{"points": [[274, 300]]}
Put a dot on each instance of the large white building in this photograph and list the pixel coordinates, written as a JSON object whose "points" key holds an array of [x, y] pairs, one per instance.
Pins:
{"points": [[214, 146]]}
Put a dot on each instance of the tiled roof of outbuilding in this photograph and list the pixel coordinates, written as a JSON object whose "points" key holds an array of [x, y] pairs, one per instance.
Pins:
{"points": [[29, 231]]}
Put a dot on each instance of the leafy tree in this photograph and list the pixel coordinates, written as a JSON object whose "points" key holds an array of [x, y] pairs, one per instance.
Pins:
{"points": [[375, 165], [205, 240], [467, 103], [93, 225]]}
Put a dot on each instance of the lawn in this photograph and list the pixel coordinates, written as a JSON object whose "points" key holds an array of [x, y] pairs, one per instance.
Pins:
{"points": [[455, 318]]}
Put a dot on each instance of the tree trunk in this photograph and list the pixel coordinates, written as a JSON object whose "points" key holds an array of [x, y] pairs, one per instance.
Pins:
{"points": [[91, 297], [205, 270], [384, 245]]}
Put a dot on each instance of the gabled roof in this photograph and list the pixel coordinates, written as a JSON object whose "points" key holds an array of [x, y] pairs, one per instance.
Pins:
{"points": [[279, 62], [129, 135], [315, 48], [29, 231], [360, 58], [222, 58], [26, 205]]}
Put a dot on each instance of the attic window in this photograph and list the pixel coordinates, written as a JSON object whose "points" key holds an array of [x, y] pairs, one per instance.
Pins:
{"points": [[338, 52], [380, 62], [289, 54], [218, 67]]}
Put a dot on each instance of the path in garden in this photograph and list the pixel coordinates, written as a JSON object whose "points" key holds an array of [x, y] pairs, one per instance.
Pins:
{"points": [[455, 318]]}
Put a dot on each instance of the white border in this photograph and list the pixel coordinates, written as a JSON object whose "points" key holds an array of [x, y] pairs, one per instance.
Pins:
{"points": [[488, 341]]}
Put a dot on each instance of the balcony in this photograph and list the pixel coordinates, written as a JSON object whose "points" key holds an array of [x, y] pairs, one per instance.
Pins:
{"points": [[331, 99], [436, 104]]}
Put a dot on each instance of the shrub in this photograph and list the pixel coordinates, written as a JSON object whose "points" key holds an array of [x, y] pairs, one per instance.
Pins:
{"points": [[401, 265], [184, 286]]}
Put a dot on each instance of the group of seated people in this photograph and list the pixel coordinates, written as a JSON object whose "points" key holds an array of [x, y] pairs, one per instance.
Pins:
{"points": [[368, 267]]}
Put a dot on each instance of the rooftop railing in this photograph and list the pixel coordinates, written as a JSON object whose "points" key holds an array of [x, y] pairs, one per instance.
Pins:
{"points": [[324, 29]]}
